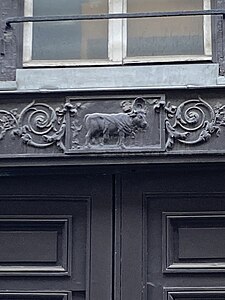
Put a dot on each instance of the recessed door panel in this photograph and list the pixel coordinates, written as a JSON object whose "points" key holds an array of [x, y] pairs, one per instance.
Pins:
{"points": [[35, 245]]}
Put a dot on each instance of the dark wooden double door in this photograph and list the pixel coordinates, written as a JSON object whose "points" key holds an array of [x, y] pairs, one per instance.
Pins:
{"points": [[154, 235]]}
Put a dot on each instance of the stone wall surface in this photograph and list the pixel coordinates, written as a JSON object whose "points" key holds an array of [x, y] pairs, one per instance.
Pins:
{"points": [[8, 46]]}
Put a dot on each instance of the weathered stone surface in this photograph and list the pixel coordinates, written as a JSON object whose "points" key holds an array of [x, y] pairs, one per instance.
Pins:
{"points": [[8, 49]]}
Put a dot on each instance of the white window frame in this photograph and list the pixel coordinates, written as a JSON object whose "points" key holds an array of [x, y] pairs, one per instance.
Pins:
{"points": [[117, 42]]}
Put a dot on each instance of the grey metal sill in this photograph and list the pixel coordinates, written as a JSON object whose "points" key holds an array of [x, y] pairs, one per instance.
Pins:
{"points": [[116, 78], [8, 86]]}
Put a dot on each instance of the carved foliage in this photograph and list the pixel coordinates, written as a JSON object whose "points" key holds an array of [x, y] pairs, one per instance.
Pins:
{"points": [[38, 124], [193, 122]]}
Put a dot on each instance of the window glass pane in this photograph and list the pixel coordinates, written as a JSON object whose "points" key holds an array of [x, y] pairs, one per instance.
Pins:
{"points": [[165, 36], [73, 39]]}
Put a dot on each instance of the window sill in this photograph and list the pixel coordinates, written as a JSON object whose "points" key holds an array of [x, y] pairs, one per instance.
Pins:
{"points": [[118, 78], [8, 86]]}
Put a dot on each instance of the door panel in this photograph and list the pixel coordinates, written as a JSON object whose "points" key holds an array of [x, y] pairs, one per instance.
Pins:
{"points": [[35, 295], [36, 245], [52, 232], [173, 232], [194, 294], [193, 242]]}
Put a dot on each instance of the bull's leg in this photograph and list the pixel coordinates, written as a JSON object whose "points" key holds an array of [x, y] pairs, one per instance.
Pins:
{"points": [[105, 134], [88, 139], [121, 139], [101, 141]]}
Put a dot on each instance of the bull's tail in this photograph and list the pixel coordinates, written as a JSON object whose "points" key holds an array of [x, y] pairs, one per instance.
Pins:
{"points": [[85, 117], [87, 120]]}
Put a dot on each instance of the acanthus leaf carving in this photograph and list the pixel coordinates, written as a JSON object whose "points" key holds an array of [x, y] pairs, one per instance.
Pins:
{"points": [[8, 121], [174, 135], [194, 122], [41, 126]]}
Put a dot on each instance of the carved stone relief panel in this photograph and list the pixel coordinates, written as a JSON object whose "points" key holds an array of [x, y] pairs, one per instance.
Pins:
{"points": [[115, 125], [195, 125]]}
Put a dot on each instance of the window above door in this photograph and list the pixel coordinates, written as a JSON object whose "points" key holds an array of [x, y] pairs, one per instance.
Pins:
{"points": [[118, 41]]}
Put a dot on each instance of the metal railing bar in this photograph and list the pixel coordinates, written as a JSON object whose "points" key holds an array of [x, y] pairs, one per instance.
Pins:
{"points": [[36, 19]]}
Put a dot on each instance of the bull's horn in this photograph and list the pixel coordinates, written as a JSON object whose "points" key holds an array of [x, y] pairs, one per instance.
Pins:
{"points": [[139, 104]]}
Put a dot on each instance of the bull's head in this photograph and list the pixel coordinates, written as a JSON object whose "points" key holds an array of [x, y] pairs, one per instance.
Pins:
{"points": [[138, 113]]}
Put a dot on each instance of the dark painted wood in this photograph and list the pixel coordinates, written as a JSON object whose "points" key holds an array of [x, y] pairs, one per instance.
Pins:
{"points": [[153, 212], [161, 254], [41, 205], [194, 293], [132, 282], [193, 242], [201, 243], [117, 209], [28, 246], [35, 245], [36, 295]]}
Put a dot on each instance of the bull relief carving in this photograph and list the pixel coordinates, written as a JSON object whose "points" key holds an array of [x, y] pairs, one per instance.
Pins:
{"points": [[101, 127], [117, 125]]}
